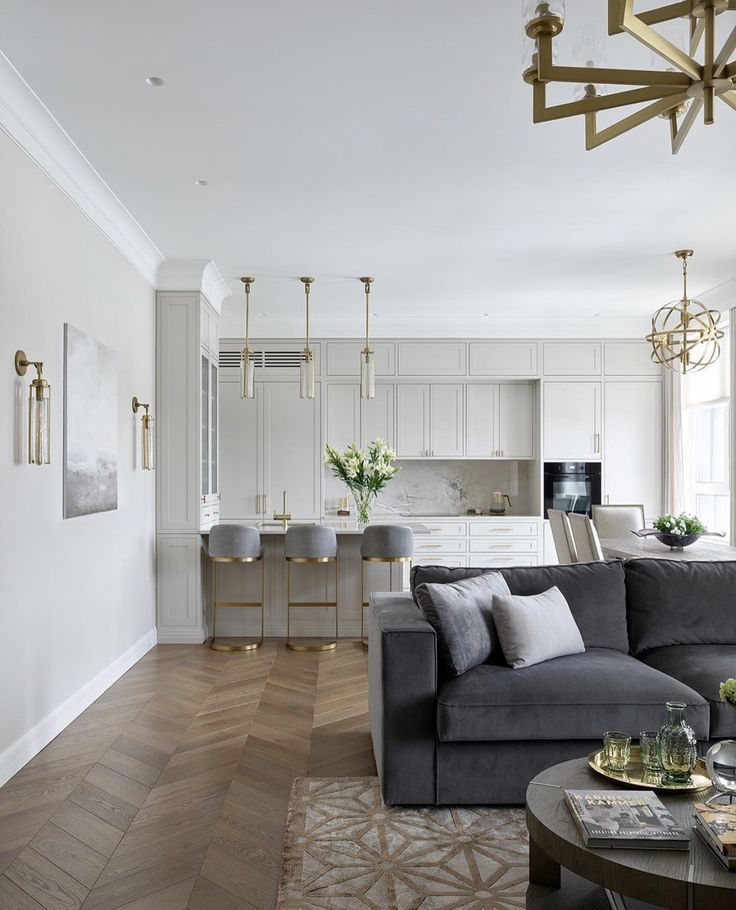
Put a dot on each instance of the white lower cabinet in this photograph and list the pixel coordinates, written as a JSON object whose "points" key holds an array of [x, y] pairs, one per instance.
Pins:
{"points": [[572, 420], [633, 432], [181, 584]]}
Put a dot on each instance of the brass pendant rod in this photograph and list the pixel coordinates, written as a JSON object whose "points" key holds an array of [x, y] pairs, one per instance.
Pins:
{"points": [[367, 294], [710, 53]]}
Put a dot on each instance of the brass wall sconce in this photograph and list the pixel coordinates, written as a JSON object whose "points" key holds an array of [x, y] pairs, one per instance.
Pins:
{"points": [[39, 411], [147, 454]]}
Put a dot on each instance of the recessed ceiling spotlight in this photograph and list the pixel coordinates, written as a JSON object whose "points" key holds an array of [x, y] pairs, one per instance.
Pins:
{"points": [[200, 182], [485, 314], [155, 81]]}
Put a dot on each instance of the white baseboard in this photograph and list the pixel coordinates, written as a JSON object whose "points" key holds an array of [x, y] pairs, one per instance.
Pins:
{"points": [[23, 750]]}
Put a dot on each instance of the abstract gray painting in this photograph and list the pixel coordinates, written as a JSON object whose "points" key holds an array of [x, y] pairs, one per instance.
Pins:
{"points": [[90, 425]]}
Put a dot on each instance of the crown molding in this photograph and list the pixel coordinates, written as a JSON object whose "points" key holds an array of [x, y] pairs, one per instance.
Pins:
{"points": [[194, 274], [30, 124]]}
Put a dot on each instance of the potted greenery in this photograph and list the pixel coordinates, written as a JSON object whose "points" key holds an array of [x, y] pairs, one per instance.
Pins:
{"points": [[365, 474], [677, 532]]}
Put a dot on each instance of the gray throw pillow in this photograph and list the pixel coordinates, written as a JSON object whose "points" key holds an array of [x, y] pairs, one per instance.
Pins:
{"points": [[461, 615], [535, 628]]}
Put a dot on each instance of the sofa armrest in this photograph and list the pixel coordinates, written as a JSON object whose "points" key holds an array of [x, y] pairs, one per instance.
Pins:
{"points": [[402, 694]]}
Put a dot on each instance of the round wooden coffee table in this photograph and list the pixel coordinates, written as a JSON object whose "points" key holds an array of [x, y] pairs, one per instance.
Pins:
{"points": [[676, 880]]}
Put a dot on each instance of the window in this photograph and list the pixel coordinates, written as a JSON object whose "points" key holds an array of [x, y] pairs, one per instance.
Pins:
{"points": [[707, 436]]}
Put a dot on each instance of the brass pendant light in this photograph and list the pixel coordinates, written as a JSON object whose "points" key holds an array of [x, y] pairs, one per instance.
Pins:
{"points": [[685, 335], [367, 356], [306, 367], [666, 92], [147, 453], [247, 364]]}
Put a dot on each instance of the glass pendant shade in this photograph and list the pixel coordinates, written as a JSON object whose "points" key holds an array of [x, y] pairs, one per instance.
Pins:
{"points": [[367, 373], [147, 444], [306, 374], [39, 422], [247, 374], [247, 363], [589, 52]]}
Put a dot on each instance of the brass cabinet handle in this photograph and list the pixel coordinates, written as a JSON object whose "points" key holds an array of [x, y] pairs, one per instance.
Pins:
{"points": [[502, 530], [503, 546]]}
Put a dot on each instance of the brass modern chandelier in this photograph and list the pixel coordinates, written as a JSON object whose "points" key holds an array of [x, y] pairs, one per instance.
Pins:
{"points": [[685, 335], [691, 80]]}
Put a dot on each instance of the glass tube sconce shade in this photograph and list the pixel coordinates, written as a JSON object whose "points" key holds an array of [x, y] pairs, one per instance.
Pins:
{"points": [[39, 411], [147, 452], [247, 364], [367, 355], [306, 367]]}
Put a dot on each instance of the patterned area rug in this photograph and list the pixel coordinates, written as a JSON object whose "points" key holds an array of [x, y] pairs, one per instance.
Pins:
{"points": [[345, 850]]}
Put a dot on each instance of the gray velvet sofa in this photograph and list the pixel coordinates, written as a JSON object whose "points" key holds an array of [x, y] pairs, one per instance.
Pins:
{"points": [[654, 631]]}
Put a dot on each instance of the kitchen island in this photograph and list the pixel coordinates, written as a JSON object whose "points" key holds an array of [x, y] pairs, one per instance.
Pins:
{"points": [[476, 540]]}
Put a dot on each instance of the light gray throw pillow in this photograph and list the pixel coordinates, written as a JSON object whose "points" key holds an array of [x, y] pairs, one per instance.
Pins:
{"points": [[461, 614], [535, 628]]}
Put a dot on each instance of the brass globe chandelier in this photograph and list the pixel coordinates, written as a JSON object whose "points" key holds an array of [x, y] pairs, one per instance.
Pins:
{"points": [[691, 80], [685, 335]]}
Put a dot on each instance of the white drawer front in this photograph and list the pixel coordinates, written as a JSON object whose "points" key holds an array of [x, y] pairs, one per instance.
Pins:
{"points": [[209, 514], [452, 562], [502, 562], [496, 545], [447, 545], [444, 529], [501, 528]]}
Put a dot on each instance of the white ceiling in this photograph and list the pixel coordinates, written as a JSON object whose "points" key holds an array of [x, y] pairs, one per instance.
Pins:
{"points": [[343, 137]]}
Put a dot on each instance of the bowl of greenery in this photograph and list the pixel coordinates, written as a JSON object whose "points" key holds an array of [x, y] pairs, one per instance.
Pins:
{"points": [[679, 531]]}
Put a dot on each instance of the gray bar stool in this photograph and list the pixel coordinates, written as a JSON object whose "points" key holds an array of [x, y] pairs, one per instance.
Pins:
{"points": [[310, 544], [229, 544], [382, 543]]}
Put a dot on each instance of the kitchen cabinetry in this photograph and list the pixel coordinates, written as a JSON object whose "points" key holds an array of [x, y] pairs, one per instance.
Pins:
{"points": [[633, 432], [503, 358], [429, 420], [499, 420], [343, 357], [629, 358], [432, 358], [572, 421], [349, 418], [273, 445], [572, 358]]}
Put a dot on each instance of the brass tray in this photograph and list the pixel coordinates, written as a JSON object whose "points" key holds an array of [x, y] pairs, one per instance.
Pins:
{"points": [[636, 776]]}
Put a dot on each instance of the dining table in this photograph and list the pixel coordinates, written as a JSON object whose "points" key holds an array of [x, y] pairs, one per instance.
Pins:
{"points": [[703, 550]]}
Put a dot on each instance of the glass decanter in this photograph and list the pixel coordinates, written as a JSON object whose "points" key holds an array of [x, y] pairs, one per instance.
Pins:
{"points": [[676, 746]]}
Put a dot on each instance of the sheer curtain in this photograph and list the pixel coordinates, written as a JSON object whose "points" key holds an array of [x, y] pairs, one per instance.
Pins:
{"points": [[674, 471]]}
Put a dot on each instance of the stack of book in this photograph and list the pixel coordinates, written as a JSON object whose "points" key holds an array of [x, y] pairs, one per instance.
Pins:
{"points": [[717, 826], [625, 818]]}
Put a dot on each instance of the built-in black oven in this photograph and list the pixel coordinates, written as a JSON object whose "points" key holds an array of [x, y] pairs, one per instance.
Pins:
{"points": [[572, 486]]}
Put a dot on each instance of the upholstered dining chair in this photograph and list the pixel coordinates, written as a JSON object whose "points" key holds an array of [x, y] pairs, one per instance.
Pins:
{"points": [[587, 542], [616, 521], [562, 537]]}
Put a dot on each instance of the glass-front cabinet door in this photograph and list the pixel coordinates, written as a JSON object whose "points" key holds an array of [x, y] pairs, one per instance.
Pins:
{"points": [[209, 427]]}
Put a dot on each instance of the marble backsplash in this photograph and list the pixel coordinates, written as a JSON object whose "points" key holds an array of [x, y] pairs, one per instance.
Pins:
{"points": [[438, 487]]}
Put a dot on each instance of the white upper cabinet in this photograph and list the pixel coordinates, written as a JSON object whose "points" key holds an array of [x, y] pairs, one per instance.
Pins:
{"points": [[629, 358], [633, 425], [343, 357], [572, 358], [432, 358], [499, 420], [446, 421], [377, 416], [412, 420], [503, 358], [342, 414], [208, 329], [481, 420], [572, 421], [516, 420]]}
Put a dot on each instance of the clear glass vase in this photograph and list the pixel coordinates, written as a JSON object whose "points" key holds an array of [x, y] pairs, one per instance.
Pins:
{"points": [[363, 505], [676, 746]]}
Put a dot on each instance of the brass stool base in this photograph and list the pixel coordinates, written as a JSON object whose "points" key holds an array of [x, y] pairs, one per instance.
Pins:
{"points": [[320, 646], [225, 645]]}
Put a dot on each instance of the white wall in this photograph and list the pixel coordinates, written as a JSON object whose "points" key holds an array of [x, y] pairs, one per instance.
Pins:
{"points": [[77, 597]]}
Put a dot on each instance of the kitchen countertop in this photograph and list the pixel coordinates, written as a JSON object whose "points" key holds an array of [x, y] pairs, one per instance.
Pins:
{"points": [[347, 526]]}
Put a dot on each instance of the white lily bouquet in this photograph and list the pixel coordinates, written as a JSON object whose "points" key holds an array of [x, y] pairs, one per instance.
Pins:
{"points": [[365, 474]]}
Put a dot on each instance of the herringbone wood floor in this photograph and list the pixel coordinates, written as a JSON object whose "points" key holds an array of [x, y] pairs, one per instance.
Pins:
{"points": [[170, 791]]}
